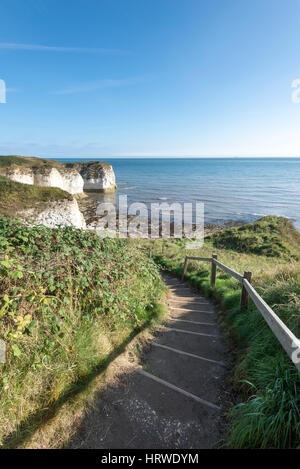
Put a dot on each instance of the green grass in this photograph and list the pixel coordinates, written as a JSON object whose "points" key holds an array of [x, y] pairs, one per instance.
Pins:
{"points": [[266, 380], [34, 162], [15, 196], [270, 236], [69, 301], [26, 161]]}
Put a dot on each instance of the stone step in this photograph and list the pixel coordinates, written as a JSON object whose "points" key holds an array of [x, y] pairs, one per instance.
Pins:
{"points": [[194, 326], [199, 377], [208, 347]]}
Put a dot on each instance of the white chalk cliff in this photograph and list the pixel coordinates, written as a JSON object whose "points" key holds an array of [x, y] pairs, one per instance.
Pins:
{"points": [[73, 178], [97, 176], [69, 181], [57, 213]]}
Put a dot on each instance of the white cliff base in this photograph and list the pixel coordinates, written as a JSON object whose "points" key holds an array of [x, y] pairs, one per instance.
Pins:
{"points": [[72, 178], [59, 213]]}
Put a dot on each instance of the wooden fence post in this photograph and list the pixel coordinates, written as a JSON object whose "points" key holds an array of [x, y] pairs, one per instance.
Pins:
{"points": [[185, 267], [150, 252], [213, 271], [244, 294]]}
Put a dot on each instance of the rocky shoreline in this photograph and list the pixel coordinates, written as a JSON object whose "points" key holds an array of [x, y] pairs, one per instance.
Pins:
{"points": [[88, 207], [73, 194]]}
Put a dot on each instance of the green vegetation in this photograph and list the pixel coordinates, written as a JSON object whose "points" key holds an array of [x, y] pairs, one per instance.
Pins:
{"points": [[10, 161], [15, 196], [270, 236], [26, 161], [266, 380], [69, 301]]}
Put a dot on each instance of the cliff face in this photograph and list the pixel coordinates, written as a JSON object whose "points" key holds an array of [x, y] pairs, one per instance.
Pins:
{"points": [[36, 205], [67, 180], [57, 213], [73, 178], [38, 190], [23, 175], [97, 176]]}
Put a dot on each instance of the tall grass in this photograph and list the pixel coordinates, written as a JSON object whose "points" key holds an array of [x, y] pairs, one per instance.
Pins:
{"points": [[267, 415], [69, 301]]}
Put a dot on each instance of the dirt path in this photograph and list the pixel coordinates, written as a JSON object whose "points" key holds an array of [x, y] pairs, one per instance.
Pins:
{"points": [[174, 400]]}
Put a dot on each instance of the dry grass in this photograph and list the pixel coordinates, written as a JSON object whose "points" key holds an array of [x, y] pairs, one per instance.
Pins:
{"points": [[70, 303], [265, 379], [57, 431], [15, 196]]}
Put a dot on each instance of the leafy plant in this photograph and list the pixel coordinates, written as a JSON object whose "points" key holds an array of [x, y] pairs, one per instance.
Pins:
{"points": [[67, 300]]}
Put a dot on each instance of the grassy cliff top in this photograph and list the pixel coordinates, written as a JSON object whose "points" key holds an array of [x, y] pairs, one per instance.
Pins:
{"points": [[27, 161], [34, 162], [15, 196], [88, 165], [270, 236]]}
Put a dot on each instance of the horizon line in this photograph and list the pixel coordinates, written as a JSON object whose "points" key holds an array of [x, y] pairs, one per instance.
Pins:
{"points": [[171, 157], [155, 156]]}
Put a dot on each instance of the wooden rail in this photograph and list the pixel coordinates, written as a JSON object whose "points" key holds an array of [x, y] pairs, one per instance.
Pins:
{"points": [[289, 342]]}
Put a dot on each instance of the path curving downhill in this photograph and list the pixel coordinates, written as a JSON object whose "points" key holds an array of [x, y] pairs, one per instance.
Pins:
{"points": [[174, 400]]}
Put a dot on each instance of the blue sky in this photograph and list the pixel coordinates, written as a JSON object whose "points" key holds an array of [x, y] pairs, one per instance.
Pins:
{"points": [[100, 78]]}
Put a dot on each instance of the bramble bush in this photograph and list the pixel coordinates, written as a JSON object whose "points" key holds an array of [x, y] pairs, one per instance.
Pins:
{"points": [[67, 299]]}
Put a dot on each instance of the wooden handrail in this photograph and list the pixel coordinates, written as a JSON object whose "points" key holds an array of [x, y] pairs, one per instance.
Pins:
{"points": [[207, 259], [228, 270], [285, 336], [289, 342]]}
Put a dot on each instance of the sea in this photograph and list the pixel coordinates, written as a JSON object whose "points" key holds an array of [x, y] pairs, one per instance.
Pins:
{"points": [[231, 189]]}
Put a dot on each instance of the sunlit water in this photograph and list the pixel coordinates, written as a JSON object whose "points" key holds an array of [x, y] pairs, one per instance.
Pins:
{"points": [[238, 189]]}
